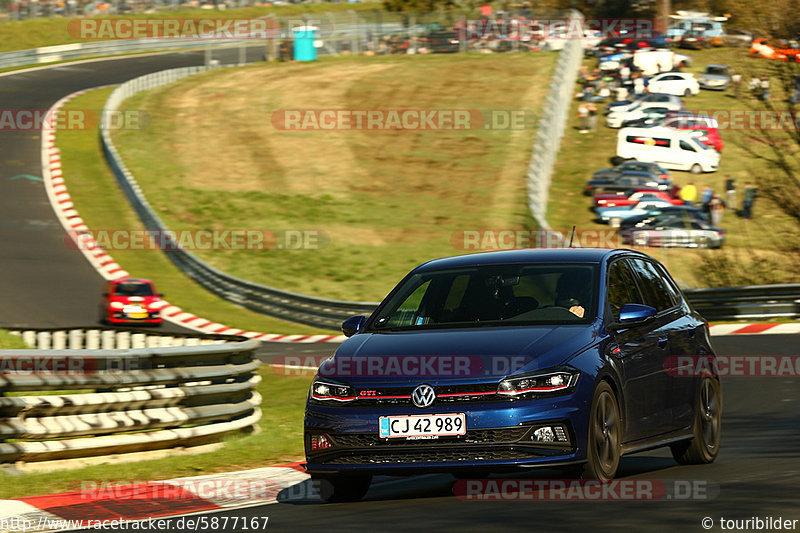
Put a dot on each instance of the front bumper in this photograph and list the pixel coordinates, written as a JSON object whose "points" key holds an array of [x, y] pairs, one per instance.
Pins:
{"points": [[499, 438], [713, 85], [120, 317]]}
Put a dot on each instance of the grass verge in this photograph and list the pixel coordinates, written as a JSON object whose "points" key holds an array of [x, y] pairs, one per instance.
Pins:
{"points": [[211, 157], [102, 205], [11, 342], [279, 441]]}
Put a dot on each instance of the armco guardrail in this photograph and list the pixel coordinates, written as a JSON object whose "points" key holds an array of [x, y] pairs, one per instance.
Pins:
{"points": [[139, 399], [747, 303], [111, 338], [308, 310], [65, 52]]}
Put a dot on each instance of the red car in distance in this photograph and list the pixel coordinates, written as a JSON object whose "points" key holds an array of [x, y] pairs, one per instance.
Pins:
{"points": [[633, 197], [131, 301]]}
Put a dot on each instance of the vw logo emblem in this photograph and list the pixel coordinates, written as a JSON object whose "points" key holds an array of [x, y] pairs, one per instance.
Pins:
{"points": [[423, 396]]}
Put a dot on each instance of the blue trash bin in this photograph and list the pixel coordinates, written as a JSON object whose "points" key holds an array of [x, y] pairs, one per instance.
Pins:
{"points": [[304, 37]]}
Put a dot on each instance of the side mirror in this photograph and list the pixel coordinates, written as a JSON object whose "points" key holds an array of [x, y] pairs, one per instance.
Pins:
{"points": [[353, 325], [633, 314], [105, 294], [160, 294]]}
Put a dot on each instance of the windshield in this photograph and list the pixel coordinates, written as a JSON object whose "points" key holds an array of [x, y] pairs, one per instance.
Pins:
{"points": [[716, 71], [492, 295], [133, 289]]}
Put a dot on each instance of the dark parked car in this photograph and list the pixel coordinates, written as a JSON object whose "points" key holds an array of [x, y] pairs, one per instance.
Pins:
{"points": [[440, 41], [629, 179], [561, 358], [652, 117], [663, 214], [638, 166], [695, 40]]}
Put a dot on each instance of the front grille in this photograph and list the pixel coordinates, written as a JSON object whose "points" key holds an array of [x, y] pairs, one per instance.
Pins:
{"points": [[429, 456], [444, 394], [474, 436]]}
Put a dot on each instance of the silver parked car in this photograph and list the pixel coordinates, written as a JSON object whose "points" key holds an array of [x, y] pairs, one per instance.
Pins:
{"points": [[715, 77], [677, 232]]}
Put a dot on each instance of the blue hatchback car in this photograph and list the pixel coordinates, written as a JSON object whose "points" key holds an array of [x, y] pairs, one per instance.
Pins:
{"points": [[510, 360]]}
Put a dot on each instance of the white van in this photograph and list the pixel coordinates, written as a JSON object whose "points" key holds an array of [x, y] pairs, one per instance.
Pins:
{"points": [[670, 148]]}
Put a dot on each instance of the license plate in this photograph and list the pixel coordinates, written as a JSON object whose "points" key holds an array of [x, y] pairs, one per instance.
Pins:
{"points": [[410, 426]]}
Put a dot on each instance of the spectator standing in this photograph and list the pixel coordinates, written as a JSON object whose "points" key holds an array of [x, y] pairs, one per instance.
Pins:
{"points": [[764, 88], [625, 72], [592, 116], [736, 80], [689, 193], [716, 208], [730, 191], [795, 97], [754, 87], [638, 85], [750, 194], [583, 117], [705, 197]]}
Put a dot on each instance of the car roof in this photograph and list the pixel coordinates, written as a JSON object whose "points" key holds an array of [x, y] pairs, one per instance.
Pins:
{"points": [[637, 173], [529, 255]]}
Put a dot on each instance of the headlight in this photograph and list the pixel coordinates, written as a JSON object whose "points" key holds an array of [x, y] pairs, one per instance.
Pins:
{"points": [[330, 390], [558, 382], [116, 305]]}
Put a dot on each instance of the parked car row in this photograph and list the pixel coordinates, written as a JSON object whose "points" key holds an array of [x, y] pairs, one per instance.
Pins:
{"points": [[649, 213], [657, 134]]}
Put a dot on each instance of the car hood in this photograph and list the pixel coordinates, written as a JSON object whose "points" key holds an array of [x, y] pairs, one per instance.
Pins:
{"points": [[483, 353]]}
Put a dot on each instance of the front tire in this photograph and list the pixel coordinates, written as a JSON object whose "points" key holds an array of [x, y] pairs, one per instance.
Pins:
{"points": [[341, 487], [687, 92], [603, 449], [704, 446], [696, 169]]}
